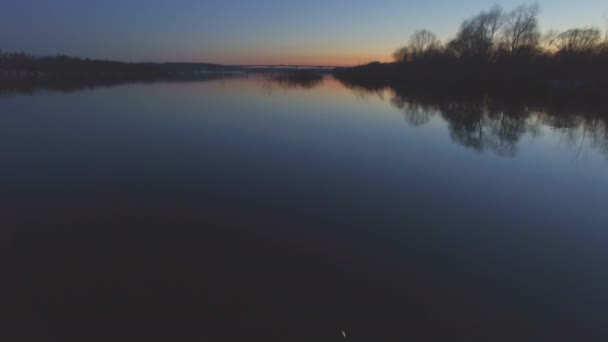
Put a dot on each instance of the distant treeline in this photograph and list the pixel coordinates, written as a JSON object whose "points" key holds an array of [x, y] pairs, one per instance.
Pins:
{"points": [[496, 45], [22, 64]]}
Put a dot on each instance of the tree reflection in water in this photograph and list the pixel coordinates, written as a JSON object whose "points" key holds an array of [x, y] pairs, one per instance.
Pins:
{"points": [[477, 118], [498, 122]]}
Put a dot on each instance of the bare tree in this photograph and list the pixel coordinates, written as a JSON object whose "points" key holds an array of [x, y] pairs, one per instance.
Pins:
{"points": [[605, 43], [606, 31], [478, 35], [402, 55], [579, 41], [548, 41], [422, 43], [520, 29]]}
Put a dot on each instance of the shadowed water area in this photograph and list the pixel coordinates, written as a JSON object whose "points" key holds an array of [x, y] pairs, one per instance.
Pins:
{"points": [[262, 209]]}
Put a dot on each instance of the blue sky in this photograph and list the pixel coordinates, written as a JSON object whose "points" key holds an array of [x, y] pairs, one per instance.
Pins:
{"points": [[250, 32]]}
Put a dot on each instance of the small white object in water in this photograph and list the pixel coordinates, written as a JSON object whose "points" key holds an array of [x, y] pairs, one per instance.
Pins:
{"points": [[344, 333]]}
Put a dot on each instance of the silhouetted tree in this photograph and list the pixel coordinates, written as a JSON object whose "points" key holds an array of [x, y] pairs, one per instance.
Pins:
{"points": [[498, 47], [579, 41], [520, 31], [478, 36], [548, 41], [422, 43], [402, 55], [604, 44]]}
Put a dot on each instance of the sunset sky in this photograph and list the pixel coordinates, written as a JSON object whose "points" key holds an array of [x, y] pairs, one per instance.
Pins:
{"points": [[328, 32]]}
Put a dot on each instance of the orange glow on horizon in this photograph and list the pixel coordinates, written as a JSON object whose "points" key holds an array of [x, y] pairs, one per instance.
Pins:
{"points": [[320, 61], [304, 59]]}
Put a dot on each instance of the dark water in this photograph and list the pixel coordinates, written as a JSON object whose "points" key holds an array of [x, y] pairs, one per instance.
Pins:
{"points": [[247, 210]]}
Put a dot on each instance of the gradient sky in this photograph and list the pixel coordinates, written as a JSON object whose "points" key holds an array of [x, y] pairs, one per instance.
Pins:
{"points": [[331, 32]]}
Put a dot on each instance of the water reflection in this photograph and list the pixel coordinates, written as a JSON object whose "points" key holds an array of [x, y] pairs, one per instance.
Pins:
{"points": [[31, 85], [294, 79], [478, 121], [499, 122], [210, 210]]}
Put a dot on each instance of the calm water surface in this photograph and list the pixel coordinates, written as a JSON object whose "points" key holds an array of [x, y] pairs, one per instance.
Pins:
{"points": [[247, 210]]}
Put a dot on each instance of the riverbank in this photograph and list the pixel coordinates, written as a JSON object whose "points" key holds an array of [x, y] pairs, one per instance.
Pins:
{"points": [[458, 77]]}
